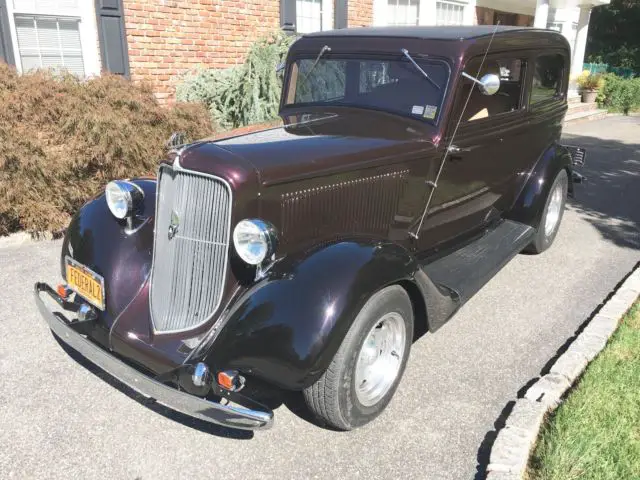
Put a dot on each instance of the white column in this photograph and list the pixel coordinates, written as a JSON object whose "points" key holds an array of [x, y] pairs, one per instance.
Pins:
{"points": [[542, 14], [470, 13], [567, 31], [427, 12], [327, 14], [581, 40], [380, 13]]}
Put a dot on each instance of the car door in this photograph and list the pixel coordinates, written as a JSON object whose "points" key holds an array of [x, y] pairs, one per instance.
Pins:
{"points": [[470, 191]]}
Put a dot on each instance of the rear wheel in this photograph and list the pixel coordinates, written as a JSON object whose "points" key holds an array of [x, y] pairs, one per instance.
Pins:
{"points": [[552, 215], [366, 370]]}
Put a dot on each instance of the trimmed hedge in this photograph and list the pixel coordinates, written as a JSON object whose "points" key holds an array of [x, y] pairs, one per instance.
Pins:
{"points": [[64, 138], [619, 94]]}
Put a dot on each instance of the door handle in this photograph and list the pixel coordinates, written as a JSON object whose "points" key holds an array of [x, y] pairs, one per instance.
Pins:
{"points": [[456, 149]]}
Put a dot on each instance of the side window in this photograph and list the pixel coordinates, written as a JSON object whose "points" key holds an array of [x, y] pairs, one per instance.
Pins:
{"points": [[507, 99], [547, 77]]}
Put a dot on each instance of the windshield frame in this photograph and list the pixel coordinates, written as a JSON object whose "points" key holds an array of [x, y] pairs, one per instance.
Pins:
{"points": [[388, 56]]}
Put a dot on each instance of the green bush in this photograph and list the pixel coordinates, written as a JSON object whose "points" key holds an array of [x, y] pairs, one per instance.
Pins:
{"points": [[64, 138], [619, 94], [244, 94]]}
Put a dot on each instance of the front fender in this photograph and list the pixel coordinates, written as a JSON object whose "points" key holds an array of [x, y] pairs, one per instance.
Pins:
{"points": [[98, 240], [529, 205], [287, 328]]}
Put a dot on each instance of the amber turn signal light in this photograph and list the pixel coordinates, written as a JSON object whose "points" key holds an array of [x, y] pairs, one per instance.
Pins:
{"points": [[230, 380], [63, 291]]}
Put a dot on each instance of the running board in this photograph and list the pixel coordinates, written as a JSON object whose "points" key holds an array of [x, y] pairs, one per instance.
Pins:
{"points": [[468, 269]]}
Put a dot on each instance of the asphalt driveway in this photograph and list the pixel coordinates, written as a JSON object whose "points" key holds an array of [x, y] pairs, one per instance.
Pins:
{"points": [[59, 419]]}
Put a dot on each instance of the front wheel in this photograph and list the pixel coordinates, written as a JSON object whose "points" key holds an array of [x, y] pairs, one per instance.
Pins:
{"points": [[552, 214], [366, 370]]}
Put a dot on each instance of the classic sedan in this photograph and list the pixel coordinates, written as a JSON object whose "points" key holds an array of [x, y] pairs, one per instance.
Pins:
{"points": [[410, 166]]}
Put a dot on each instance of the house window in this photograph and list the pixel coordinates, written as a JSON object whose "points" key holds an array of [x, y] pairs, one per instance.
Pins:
{"points": [[57, 34], [49, 42], [449, 13], [403, 12], [309, 16], [557, 26]]}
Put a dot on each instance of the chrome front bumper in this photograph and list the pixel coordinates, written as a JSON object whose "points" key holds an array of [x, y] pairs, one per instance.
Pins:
{"points": [[193, 406]]}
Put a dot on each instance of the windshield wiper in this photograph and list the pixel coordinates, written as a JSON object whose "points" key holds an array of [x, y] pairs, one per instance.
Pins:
{"points": [[323, 50], [406, 54]]}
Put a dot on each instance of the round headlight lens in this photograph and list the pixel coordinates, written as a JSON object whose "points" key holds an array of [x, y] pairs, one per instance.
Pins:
{"points": [[120, 198], [252, 241]]}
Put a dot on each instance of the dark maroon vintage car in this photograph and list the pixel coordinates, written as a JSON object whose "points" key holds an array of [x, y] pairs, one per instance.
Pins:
{"points": [[410, 166]]}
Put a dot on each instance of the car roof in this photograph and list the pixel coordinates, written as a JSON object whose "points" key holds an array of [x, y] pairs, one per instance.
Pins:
{"points": [[431, 33]]}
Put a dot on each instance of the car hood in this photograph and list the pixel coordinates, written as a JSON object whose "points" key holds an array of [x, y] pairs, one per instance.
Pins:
{"points": [[318, 143]]}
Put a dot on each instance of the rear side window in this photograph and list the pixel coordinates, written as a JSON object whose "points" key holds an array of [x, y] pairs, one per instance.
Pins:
{"points": [[547, 77]]}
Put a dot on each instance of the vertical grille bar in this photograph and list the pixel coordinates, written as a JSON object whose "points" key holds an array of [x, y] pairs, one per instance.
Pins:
{"points": [[189, 267]]}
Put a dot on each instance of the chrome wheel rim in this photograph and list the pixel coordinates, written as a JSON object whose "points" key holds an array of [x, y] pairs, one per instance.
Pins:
{"points": [[380, 359], [553, 211]]}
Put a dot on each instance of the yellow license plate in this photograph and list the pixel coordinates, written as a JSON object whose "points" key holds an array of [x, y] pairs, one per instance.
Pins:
{"points": [[86, 283]]}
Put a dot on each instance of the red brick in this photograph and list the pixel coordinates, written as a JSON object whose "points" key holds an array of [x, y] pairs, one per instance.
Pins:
{"points": [[360, 13], [171, 37]]}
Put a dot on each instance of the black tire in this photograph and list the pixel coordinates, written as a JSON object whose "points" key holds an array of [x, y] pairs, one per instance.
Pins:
{"points": [[332, 398], [543, 240]]}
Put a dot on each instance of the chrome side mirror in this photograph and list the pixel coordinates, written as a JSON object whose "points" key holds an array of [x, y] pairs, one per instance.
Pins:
{"points": [[489, 84]]}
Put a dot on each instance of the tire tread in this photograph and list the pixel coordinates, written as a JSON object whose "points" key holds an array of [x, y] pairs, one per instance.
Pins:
{"points": [[322, 396]]}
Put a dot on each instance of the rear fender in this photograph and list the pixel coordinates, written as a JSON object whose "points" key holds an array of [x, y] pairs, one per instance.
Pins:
{"points": [[529, 206], [287, 328]]}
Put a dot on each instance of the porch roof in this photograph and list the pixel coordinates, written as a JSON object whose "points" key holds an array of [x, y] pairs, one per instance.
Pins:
{"points": [[528, 7]]}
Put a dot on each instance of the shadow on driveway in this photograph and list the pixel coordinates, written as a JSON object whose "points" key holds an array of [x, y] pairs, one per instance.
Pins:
{"points": [[609, 198], [610, 201], [200, 425]]}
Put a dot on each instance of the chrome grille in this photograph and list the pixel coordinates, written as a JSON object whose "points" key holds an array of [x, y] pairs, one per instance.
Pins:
{"points": [[189, 264]]}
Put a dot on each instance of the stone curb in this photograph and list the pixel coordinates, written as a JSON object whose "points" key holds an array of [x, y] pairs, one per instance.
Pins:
{"points": [[511, 449]]}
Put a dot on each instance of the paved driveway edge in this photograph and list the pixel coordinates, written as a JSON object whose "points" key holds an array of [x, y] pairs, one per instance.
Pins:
{"points": [[21, 238], [510, 451]]}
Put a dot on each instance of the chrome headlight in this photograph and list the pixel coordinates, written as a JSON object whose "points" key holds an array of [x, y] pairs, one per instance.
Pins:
{"points": [[123, 197], [254, 240]]}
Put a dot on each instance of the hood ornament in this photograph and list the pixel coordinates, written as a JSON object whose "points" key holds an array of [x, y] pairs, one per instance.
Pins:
{"points": [[174, 224]]}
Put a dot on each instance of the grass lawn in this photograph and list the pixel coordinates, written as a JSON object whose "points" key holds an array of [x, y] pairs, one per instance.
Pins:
{"points": [[595, 433]]}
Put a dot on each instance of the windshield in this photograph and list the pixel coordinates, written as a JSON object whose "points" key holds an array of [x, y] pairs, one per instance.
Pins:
{"points": [[391, 85]]}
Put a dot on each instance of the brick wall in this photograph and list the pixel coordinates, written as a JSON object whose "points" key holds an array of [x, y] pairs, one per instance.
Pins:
{"points": [[360, 13], [525, 20], [169, 37], [486, 16]]}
